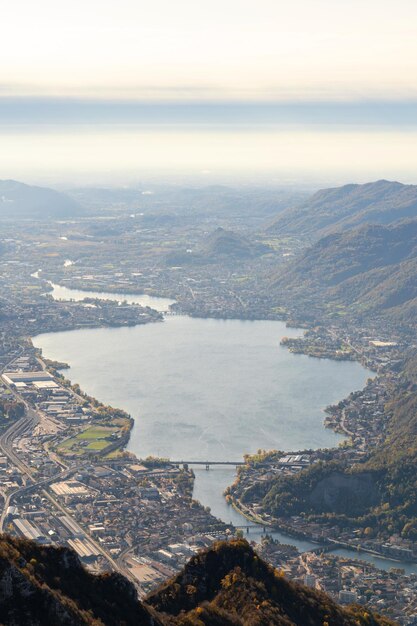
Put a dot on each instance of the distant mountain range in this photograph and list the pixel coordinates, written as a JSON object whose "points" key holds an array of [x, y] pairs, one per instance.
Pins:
{"points": [[177, 200], [341, 208], [228, 585], [18, 200], [368, 269]]}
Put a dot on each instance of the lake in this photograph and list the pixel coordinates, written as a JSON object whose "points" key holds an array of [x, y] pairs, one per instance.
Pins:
{"points": [[205, 389]]}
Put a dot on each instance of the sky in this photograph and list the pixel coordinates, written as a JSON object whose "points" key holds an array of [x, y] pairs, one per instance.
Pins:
{"points": [[116, 89]]}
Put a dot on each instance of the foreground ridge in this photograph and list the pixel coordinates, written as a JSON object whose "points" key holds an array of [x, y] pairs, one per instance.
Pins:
{"points": [[226, 585]]}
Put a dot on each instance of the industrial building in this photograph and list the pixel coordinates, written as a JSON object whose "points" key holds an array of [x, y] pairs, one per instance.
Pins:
{"points": [[40, 380], [28, 530]]}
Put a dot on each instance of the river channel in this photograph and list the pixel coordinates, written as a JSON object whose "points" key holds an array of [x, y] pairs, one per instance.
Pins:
{"points": [[205, 389]]}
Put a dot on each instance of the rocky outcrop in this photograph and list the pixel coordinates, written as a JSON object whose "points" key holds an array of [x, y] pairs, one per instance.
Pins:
{"points": [[341, 492]]}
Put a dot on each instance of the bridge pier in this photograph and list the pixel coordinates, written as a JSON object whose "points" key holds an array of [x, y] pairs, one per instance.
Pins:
{"points": [[207, 466]]}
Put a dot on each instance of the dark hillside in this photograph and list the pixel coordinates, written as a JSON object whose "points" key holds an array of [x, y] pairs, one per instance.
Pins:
{"points": [[371, 269], [228, 585], [341, 208], [18, 200]]}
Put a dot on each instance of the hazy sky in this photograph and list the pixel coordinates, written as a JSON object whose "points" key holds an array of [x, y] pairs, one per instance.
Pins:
{"points": [[230, 84], [341, 49]]}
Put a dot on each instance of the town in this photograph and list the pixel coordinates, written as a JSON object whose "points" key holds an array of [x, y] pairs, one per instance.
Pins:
{"points": [[67, 480]]}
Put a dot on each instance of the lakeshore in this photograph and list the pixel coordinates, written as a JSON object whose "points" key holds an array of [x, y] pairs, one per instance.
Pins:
{"points": [[137, 494], [193, 385], [303, 540], [82, 370], [159, 304]]}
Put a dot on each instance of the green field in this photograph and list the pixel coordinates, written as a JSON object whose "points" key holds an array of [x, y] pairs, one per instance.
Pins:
{"points": [[99, 444], [93, 438], [96, 432]]}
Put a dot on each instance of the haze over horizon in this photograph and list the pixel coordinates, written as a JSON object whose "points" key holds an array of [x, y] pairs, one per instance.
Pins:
{"points": [[319, 91]]}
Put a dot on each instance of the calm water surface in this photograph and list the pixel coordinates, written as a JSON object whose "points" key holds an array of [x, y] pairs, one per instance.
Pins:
{"points": [[382, 563], [207, 389], [204, 389], [64, 293]]}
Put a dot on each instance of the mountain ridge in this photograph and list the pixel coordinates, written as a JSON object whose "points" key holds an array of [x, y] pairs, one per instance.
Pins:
{"points": [[226, 585], [341, 208], [368, 270], [19, 200]]}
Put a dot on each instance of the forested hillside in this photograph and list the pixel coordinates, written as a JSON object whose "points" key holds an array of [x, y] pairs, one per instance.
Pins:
{"points": [[228, 585], [368, 270], [341, 208], [379, 493]]}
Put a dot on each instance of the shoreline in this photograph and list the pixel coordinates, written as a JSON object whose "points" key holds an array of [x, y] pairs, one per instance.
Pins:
{"points": [[326, 546], [122, 445]]}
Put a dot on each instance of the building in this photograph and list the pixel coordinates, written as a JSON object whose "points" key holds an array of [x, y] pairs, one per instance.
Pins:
{"points": [[310, 580], [26, 377], [28, 530], [347, 597]]}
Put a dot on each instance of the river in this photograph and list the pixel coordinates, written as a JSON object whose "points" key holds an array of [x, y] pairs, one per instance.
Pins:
{"points": [[64, 293], [205, 389]]}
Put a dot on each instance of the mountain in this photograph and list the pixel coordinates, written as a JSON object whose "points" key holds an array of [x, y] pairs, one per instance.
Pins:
{"points": [[177, 200], [371, 269], [18, 200], [227, 585], [220, 246], [230, 244], [43, 585], [340, 208], [400, 448]]}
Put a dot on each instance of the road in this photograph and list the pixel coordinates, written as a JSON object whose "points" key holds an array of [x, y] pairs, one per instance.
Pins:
{"points": [[16, 430], [343, 424], [19, 428], [22, 490], [25, 423]]}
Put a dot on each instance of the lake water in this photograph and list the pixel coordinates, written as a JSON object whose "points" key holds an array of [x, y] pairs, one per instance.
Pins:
{"points": [[204, 389], [64, 293]]}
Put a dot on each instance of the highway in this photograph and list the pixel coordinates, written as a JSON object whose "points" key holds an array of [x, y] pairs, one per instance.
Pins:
{"points": [[18, 429]]}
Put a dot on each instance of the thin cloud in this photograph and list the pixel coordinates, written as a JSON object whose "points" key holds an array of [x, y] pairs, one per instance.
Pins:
{"points": [[50, 111]]}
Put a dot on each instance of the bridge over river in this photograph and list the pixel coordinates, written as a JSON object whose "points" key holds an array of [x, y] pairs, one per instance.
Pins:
{"points": [[208, 463]]}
